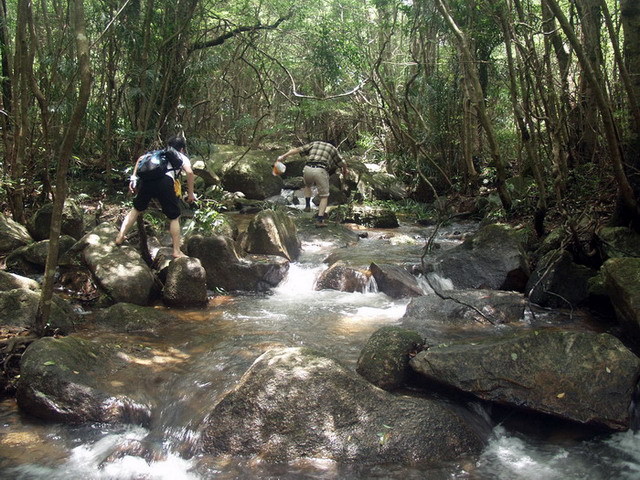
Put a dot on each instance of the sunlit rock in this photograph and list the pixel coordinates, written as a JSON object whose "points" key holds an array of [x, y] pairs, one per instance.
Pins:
{"points": [[118, 270], [343, 278], [272, 232], [67, 379], [395, 281], [297, 403], [186, 284], [12, 235]]}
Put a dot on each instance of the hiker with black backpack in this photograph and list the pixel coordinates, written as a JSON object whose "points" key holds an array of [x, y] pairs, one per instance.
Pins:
{"points": [[154, 176]]}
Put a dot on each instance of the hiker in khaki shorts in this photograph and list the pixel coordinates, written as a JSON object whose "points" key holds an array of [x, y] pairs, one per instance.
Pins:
{"points": [[323, 158]]}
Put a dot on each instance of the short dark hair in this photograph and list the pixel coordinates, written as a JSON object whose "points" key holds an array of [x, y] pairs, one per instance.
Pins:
{"points": [[178, 142]]}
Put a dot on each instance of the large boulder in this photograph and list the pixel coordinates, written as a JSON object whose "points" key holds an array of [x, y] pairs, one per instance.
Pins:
{"points": [[343, 278], [186, 284], [384, 360], [463, 314], [68, 380], [19, 307], [493, 258], [272, 232], [370, 216], [622, 283], [12, 235], [559, 282], [11, 281], [249, 172], [226, 270], [296, 403], [395, 281], [119, 270], [581, 376], [32, 258], [382, 186], [130, 318], [614, 242], [72, 220]]}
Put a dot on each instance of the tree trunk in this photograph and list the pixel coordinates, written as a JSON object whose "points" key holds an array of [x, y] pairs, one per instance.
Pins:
{"points": [[630, 11], [477, 99], [76, 12], [628, 202]]}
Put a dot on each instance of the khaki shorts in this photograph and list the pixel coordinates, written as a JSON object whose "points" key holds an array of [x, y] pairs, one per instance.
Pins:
{"points": [[317, 176]]}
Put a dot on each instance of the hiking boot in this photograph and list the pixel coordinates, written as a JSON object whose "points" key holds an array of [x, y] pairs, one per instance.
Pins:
{"points": [[307, 209], [320, 222]]}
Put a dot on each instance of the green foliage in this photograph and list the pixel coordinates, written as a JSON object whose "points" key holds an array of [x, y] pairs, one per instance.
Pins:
{"points": [[207, 218]]}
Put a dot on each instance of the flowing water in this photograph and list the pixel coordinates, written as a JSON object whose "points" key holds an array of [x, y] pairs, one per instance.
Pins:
{"points": [[184, 367]]}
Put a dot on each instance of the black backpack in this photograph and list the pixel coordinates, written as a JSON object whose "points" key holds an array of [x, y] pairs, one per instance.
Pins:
{"points": [[155, 164]]}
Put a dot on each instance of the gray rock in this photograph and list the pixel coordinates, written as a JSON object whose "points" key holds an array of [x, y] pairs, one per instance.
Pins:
{"points": [[72, 220], [120, 271], [384, 360], [343, 278], [581, 376], [19, 307], [127, 318], [294, 403], [272, 232], [226, 270], [462, 314], [622, 283], [67, 379], [558, 282], [395, 281], [186, 284], [617, 242], [11, 281], [12, 235], [491, 259]]}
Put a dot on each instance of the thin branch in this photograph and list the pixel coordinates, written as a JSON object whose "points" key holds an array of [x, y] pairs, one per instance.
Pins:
{"points": [[237, 31]]}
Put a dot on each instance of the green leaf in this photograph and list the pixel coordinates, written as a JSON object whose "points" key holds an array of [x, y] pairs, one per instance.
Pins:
{"points": [[50, 362], [514, 356]]}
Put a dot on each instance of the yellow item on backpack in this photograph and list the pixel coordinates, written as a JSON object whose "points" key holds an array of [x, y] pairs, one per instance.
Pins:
{"points": [[177, 187]]}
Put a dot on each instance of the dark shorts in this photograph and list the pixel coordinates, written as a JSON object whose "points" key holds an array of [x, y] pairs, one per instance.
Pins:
{"points": [[161, 189]]}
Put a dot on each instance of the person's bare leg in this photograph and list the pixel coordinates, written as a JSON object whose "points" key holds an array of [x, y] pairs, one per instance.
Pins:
{"points": [[174, 230], [324, 201], [127, 223]]}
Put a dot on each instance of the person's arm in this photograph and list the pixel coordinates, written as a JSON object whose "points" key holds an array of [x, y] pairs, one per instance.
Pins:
{"points": [[186, 167], [133, 179], [293, 151]]}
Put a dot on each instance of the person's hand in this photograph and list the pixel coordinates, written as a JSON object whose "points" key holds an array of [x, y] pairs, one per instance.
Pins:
{"points": [[133, 184], [280, 158], [191, 197]]}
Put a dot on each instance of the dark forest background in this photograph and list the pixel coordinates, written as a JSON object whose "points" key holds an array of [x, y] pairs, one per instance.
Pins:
{"points": [[448, 95]]}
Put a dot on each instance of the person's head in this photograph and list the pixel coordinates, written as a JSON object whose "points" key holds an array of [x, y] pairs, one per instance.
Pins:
{"points": [[178, 142]]}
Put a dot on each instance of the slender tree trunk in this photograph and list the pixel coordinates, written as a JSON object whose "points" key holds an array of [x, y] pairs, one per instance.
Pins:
{"points": [[20, 102], [628, 202], [526, 133], [630, 10], [76, 13], [475, 91]]}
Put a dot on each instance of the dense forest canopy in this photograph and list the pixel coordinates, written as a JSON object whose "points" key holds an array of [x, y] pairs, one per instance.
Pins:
{"points": [[443, 92]]}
